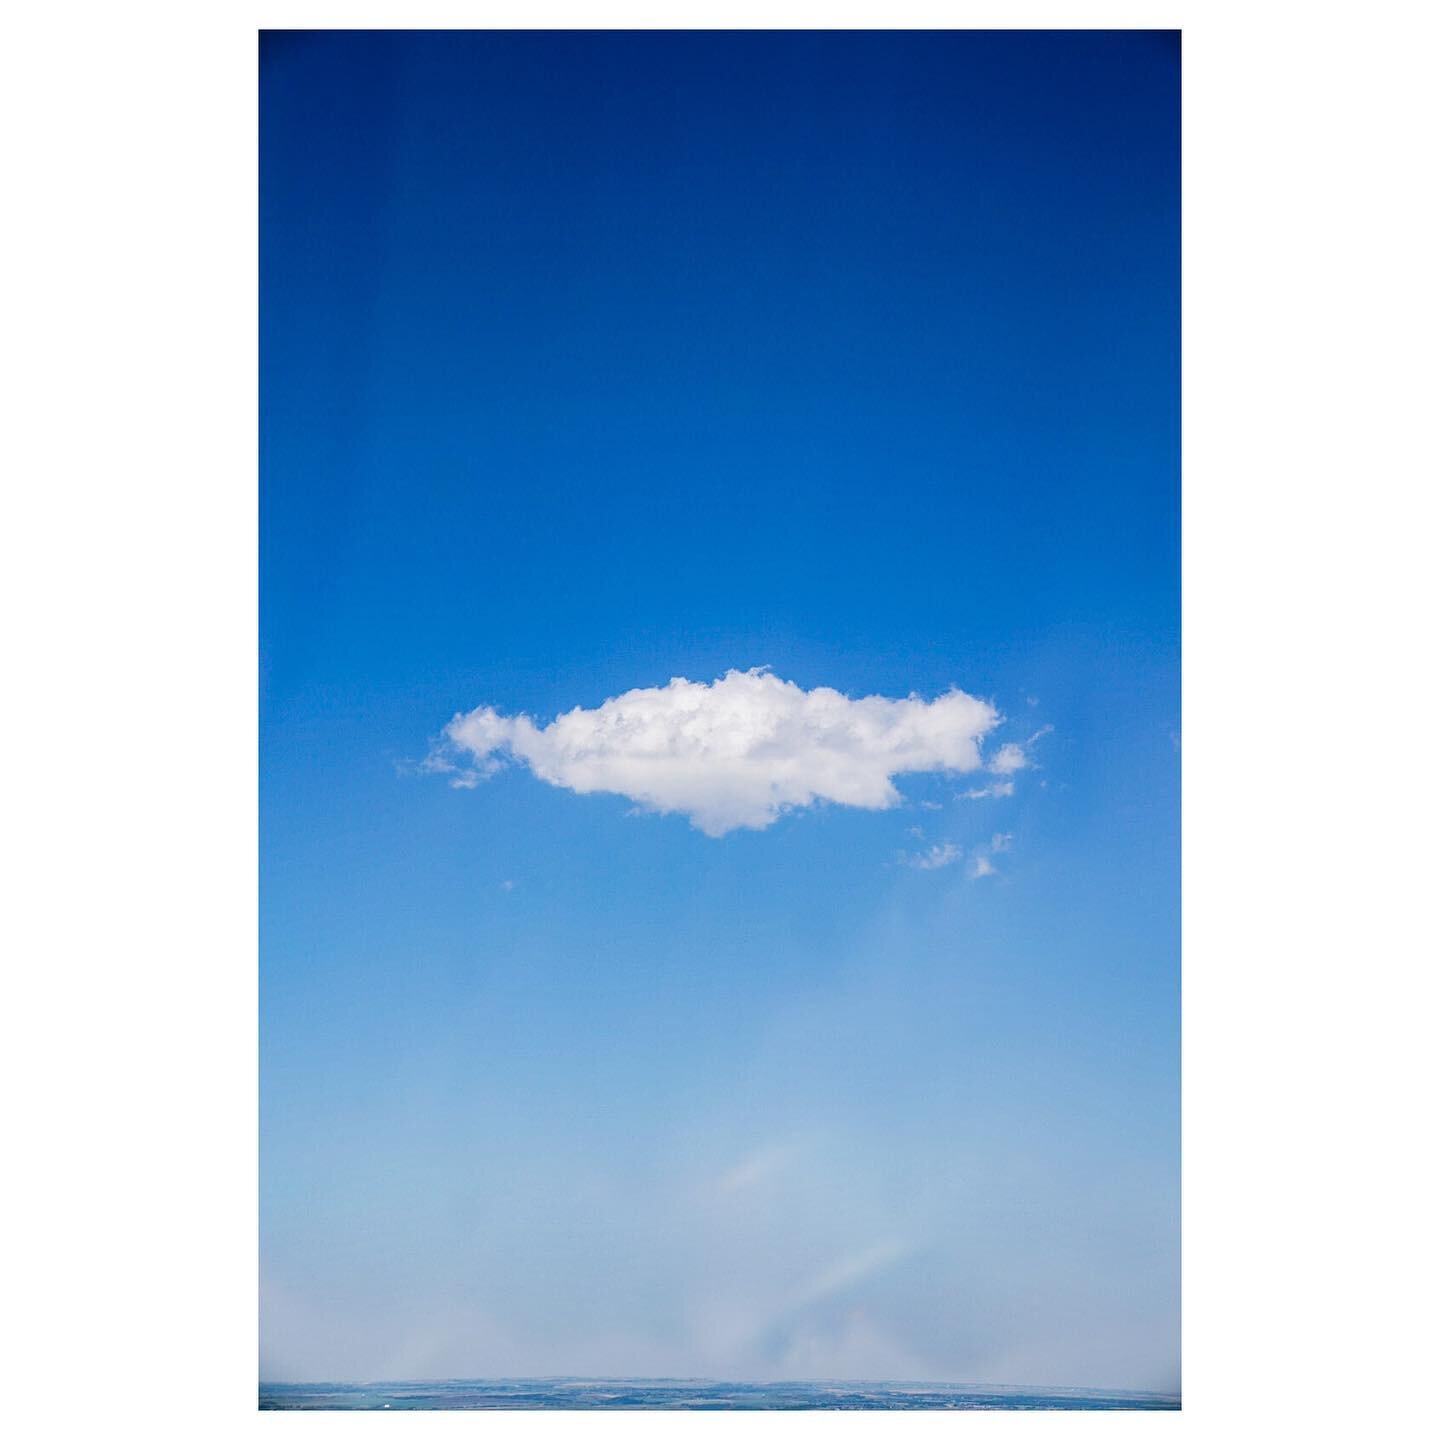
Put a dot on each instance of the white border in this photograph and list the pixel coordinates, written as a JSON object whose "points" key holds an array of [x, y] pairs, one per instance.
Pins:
{"points": [[129, 582]]}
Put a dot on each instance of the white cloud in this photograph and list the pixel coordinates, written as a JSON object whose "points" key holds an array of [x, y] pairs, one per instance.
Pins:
{"points": [[938, 856], [462, 777], [980, 863], [736, 753], [995, 791], [1008, 759], [934, 858], [1012, 757]]}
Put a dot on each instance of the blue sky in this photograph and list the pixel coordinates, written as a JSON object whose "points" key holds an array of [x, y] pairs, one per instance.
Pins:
{"points": [[593, 360]]}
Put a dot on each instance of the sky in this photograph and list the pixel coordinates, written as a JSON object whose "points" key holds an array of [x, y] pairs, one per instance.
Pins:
{"points": [[720, 705]]}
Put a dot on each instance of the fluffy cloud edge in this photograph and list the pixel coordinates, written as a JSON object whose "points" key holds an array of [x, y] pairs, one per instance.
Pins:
{"points": [[734, 753]]}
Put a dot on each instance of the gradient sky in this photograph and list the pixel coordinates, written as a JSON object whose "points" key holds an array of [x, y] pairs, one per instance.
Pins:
{"points": [[593, 360]]}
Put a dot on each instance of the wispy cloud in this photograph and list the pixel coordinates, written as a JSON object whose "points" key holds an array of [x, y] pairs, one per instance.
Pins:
{"points": [[849, 1270], [997, 790], [1008, 759], [441, 761], [938, 856], [935, 858], [981, 864], [756, 1168], [735, 753], [1016, 756]]}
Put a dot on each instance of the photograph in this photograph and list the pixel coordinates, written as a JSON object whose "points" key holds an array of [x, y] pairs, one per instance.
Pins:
{"points": [[719, 619], [719, 714]]}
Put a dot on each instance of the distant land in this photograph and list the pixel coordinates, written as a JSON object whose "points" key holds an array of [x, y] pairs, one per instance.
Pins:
{"points": [[574, 1393]]}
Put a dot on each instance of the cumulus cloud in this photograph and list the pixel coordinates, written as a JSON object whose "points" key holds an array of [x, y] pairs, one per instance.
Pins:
{"points": [[735, 753]]}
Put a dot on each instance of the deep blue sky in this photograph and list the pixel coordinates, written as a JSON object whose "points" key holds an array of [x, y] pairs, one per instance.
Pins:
{"points": [[589, 360]]}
